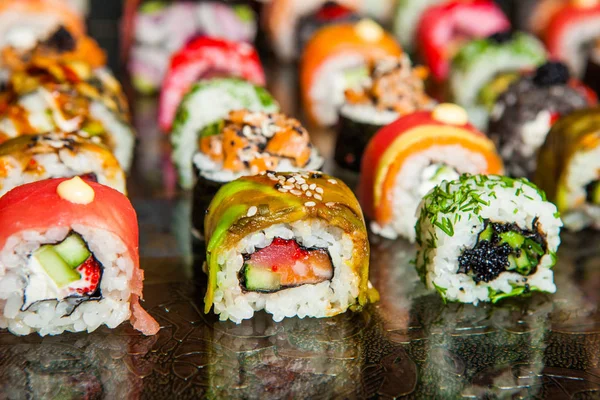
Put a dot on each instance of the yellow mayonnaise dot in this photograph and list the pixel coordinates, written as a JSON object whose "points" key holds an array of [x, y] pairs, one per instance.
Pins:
{"points": [[369, 30], [76, 191], [451, 114]]}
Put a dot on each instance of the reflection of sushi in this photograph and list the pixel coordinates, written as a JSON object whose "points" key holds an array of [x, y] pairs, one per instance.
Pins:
{"points": [[293, 244], [334, 60], [31, 158], [524, 113], [206, 104], [247, 143], [407, 158], [569, 165], [70, 259], [392, 89], [68, 97], [484, 238]]}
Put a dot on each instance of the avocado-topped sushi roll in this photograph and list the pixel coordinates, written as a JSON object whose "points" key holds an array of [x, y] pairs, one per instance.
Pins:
{"points": [[484, 238], [407, 158], [30, 158], [480, 61], [292, 244], [248, 143], [69, 96], [69, 256], [525, 112], [392, 89], [569, 168], [205, 105]]}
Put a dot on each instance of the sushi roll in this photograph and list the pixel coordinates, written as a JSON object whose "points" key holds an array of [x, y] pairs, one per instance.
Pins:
{"points": [[592, 70], [525, 112], [69, 259], [206, 104], [248, 143], [407, 158], [301, 251], [484, 238], [70, 97], [569, 168], [406, 19], [445, 27], [533, 16], [335, 59], [480, 61], [205, 58], [392, 89], [31, 158]]}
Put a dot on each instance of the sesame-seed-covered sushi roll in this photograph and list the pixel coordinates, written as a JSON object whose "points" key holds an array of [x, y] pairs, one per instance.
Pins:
{"points": [[407, 158], [69, 259], [69, 96], [203, 109], [248, 143], [525, 112], [484, 238], [31, 158], [292, 244], [569, 168], [392, 89]]}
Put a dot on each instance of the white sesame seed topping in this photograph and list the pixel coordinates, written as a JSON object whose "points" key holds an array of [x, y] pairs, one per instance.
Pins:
{"points": [[319, 190], [288, 187], [318, 197], [310, 204], [308, 193], [305, 187], [251, 211], [299, 179], [330, 204], [282, 190], [296, 192], [313, 186], [332, 181], [291, 180]]}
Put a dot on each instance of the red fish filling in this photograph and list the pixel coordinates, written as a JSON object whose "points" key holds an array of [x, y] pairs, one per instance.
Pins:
{"points": [[284, 263]]}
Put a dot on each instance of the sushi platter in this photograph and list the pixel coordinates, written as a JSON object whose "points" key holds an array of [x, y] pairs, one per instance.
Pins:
{"points": [[299, 199]]}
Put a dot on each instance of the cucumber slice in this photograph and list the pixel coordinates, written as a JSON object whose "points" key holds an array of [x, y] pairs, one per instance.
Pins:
{"points": [[533, 247], [72, 250], [261, 279], [487, 233], [523, 263], [514, 239], [57, 269], [353, 77]]}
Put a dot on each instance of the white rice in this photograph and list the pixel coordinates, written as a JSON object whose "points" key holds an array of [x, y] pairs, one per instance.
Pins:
{"points": [[49, 317], [313, 300], [368, 114], [573, 44]]}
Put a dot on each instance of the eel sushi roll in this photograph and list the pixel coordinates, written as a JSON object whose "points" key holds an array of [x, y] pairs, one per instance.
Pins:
{"points": [[484, 238], [154, 30], [69, 259], [31, 158], [68, 96], [291, 252], [407, 158], [391, 90], [202, 59], [248, 143], [525, 112], [203, 109], [334, 60], [406, 19], [482, 65], [569, 168], [445, 27]]}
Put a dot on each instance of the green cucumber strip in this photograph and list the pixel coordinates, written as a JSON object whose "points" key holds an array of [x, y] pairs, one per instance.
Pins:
{"points": [[257, 278], [57, 269], [73, 250], [487, 233], [514, 239]]}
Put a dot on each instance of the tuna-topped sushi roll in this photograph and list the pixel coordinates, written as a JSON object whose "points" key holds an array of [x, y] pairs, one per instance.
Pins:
{"points": [[30, 158], [292, 244], [248, 143], [484, 238], [68, 96], [391, 90], [203, 109], [407, 158], [481, 60], [569, 168], [69, 259], [525, 112]]}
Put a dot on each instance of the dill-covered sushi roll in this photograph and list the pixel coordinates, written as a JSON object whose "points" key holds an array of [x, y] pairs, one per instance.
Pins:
{"points": [[407, 158], [248, 143], [292, 244], [31, 158], [392, 89], [525, 112], [68, 96], [69, 259], [480, 61], [484, 238], [205, 105], [569, 168]]}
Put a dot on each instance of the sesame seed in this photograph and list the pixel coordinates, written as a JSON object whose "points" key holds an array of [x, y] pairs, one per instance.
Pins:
{"points": [[291, 180], [319, 190], [308, 193], [282, 190], [318, 197], [295, 192], [288, 187], [313, 186], [299, 179], [332, 181], [330, 204], [310, 204], [251, 211], [305, 187]]}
